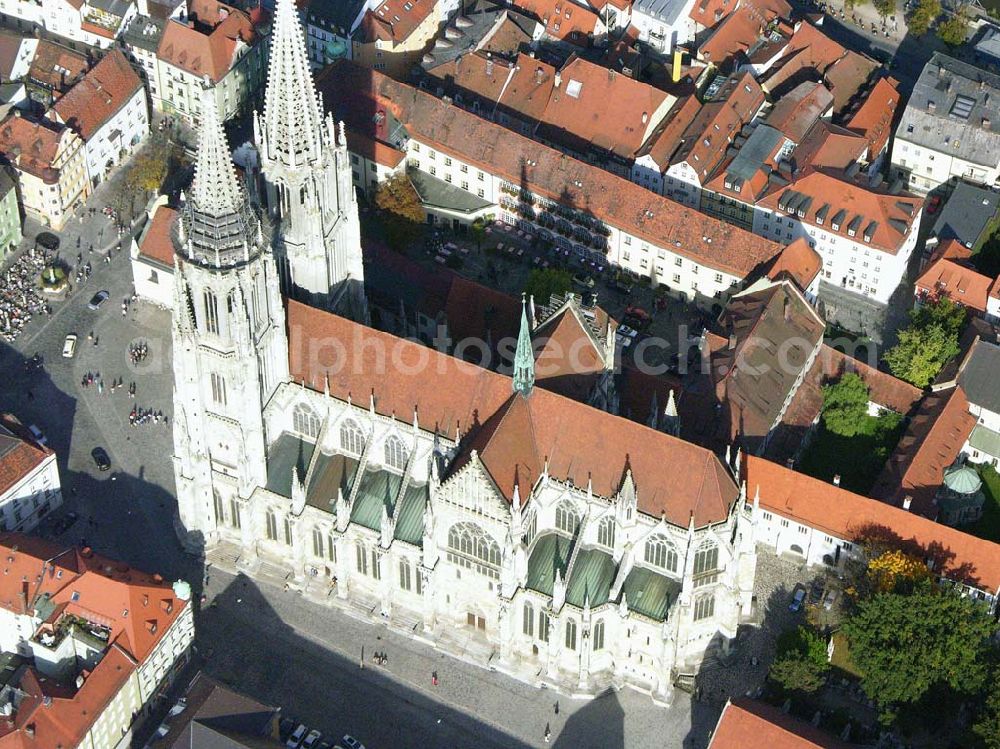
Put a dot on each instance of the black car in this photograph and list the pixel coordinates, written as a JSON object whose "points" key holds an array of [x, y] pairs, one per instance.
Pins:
{"points": [[101, 459]]}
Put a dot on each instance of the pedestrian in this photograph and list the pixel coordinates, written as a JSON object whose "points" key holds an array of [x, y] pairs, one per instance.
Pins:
{"points": [[557, 707], [362, 662], [548, 733], [434, 678]]}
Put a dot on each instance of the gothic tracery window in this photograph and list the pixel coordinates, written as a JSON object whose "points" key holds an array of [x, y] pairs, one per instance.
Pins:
{"points": [[470, 547], [567, 518], [305, 421], [395, 453], [352, 439], [659, 552], [606, 532]]}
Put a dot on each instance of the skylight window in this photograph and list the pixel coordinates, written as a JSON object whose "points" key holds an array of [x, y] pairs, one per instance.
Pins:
{"points": [[574, 88], [962, 107]]}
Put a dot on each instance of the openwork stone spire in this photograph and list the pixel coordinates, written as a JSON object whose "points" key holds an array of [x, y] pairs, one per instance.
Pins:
{"points": [[217, 225], [293, 117], [524, 359]]}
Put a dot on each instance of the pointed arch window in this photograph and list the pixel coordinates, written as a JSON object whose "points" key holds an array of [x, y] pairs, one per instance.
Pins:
{"points": [[272, 526], [528, 620], [211, 309], [288, 532], [305, 421], [469, 546], [352, 439], [659, 552], [571, 634], [395, 453], [218, 388], [543, 626], [598, 638], [220, 510], [567, 518], [706, 564], [530, 527], [606, 532], [317, 542], [234, 514]]}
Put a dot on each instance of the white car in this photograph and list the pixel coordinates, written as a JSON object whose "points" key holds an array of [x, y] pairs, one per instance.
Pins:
{"points": [[311, 739], [350, 742], [37, 434], [69, 346], [296, 738]]}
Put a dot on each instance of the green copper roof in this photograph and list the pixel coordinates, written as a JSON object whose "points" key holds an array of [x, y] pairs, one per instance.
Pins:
{"points": [[288, 451], [410, 520], [550, 551], [985, 440], [524, 358], [593, 573], [649, 593], [962, 480], [378, 488]]}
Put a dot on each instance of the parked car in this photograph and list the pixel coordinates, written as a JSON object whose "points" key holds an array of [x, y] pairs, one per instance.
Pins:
{"points": [[37, 434], [350, 742], [69, 346], [934, 204], [296, 738], [797, 598], [583, 281], [98, 299], [831, 597], [311, 739], [101, 459]]}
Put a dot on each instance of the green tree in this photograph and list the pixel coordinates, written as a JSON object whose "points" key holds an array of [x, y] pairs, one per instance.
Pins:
{"points": [[801, 664], [544, 282], [928, 343], [954, 30], [987, 726], [845, 406], [906, 644], [403, 215], [478, 231], [923, 16], [885, 7]]}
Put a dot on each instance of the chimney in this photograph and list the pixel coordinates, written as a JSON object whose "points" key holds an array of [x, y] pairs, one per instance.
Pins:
{"points": [[489, 63], [558, 79], [787, 309], [931, 106], [986, 122], [836, 479], [732, 341], [79, 681], [907, 501], [539, 74], [675, 68]]}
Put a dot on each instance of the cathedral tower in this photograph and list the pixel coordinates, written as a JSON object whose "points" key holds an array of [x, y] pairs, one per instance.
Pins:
{"points": [[307, 169], [230, 350]]}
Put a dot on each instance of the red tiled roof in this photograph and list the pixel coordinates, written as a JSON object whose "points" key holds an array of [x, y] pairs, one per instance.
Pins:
{"points": [[873, 118], [707, 13], [748, 724], [361, 93], [157, 244], [667, 138], [562, 19], [888, 217], [568, 361], [852, 517], [19, 453], [740, 29], [56, 66], [108, 87], [32, 146], [958, 282], [100, 590], [844, 71], [829, 146], [798, 110], [208, 53], [580, 444], [717, 123], [374, 150], [931, 443], [394, 20], [799, 262]]}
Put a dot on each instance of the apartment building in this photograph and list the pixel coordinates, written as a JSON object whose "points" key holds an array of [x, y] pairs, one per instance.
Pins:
{"points": [[108, 109], [950, 128], [205, 41], [51, 165], [29, 488]]}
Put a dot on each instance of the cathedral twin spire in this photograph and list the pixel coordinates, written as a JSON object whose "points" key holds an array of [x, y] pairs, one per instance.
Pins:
{"points": [[291, 132], [217, 226], [524, 359]]}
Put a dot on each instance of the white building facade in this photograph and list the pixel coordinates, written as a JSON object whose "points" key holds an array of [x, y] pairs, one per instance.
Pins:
{"points": [[28, 495]]}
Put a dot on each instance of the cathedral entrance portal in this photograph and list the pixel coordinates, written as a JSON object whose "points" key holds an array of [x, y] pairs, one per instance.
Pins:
{"points": [[475, 621]]}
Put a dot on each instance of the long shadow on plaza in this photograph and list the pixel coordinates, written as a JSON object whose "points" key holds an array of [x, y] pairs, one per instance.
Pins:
{"points": [[110, 505], [246, 644]]}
